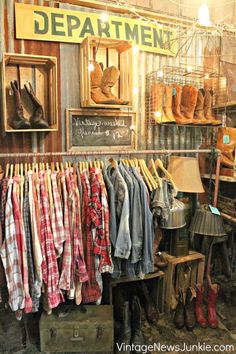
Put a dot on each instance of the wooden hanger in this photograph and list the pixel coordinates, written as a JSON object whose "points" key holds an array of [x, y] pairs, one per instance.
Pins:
{"points": [[62, 167], [158, 163], [149, 175], [11, 170], [57, 166], [113, 162], [52, 166], [21, 170], [154, 173], [143, 173], [7, 169], [26, 168]]}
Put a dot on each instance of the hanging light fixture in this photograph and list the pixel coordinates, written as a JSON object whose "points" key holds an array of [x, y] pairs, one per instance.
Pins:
{"points": [[203, 15]]}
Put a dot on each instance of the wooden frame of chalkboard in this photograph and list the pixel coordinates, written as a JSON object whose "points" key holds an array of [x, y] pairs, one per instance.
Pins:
{"points": [[98, 129]]}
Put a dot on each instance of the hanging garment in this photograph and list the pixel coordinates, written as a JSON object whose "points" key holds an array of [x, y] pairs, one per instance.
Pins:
{"points": [[10, 257]]}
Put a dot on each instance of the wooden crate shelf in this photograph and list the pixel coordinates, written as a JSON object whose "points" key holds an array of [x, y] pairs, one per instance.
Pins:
{"points": [[109, 52], [197, 273], [41, 72]]}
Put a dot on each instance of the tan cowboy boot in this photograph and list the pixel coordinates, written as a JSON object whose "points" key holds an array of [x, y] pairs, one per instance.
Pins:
{"points": [[227, 149], [109, 78], [199, 118], [96, 93], [179, 118], [168, 104], [188, 102], [157, 94], [208, 108]]}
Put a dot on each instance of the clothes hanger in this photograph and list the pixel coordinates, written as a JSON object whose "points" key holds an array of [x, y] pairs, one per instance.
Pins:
{"points": [[143, 173], [149, 175], [11, 171], [26, 169], [113, 162], [52, 166], [7, 169], [159, 163], [154, 173], [57, 166]]}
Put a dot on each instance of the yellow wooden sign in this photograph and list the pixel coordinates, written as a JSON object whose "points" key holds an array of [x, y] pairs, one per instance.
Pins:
{"points": [[59, 25]]}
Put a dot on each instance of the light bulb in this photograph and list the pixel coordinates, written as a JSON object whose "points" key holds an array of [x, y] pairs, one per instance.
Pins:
{"points": [[203, 15], [157, 114], [135, 49], [189, 69], [90, 67], [160, 73], [207, 76], [104, 17], [135, 90]]}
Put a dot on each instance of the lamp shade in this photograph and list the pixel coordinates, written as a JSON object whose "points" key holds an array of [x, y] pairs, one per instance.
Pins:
{"points": [[185, 173], [207, 224]]}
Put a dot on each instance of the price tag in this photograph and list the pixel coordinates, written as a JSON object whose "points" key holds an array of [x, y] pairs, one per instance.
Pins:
{"points": [[226, 139], [174, 92], [214, 210]]}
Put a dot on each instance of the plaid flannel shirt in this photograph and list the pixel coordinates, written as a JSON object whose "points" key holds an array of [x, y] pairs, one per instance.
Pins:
{"points": [[57, 217], [3, 205], [91, 291], [49, 263], [10, 257]]}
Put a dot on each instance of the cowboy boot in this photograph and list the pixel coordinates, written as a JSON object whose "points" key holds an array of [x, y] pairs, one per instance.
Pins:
{"points": [[109, 78], [208, 108], [199, 118], [151, 311], [37, 119], [96, 93], [179, 118], [19, 121], [200, 317], [125, 333], [188, 102], [179, 312], [227, 149], [212, 293], [189, 314], [157, 94], [137, 336], [168, 104]]}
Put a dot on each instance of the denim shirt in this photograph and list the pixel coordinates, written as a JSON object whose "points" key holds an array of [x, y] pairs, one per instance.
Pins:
{"points": [[123, 240], [146, 264]]}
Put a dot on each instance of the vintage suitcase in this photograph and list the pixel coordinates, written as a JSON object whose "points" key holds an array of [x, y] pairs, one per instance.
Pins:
{"points": [[89, 331]]}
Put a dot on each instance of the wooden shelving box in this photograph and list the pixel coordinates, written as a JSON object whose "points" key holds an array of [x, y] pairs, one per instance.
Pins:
{"points": [[109, 52], [197, 261], [41, 72]]}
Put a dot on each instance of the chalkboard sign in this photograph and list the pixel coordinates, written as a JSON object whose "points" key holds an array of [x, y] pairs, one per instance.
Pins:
{"points": [[100, 129]]}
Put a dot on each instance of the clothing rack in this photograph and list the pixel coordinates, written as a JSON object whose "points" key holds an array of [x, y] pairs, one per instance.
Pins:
{"points": [[105, 152]]}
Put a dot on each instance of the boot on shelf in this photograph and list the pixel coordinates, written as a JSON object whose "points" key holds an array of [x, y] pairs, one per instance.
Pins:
{"points": [[125, 332], [188, 102], [157, 94], [137, 336], [200, 317], [189, 314], [208, 108], [168, 104], [109, 78], [176, 102], [151, 310], [179, 311], [227, 148], [19, 121], [212, 293], [37, 119], [199, 118], [96, 92]]}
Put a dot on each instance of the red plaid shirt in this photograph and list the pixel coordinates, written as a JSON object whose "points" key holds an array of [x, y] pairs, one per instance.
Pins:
{"points": [[49, 264], [90, 289]]}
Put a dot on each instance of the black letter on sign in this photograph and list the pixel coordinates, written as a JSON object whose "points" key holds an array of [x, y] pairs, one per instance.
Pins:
{"points": [[129, 34], [56, 24], [43, 30], [145, 36], [168, 35], [157, 38], [103, 27], [87, 28], [117, 24], [71, 26]]}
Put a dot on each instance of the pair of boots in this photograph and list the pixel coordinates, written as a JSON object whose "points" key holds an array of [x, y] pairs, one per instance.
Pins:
{"points": [[130, 332], [37, 120], [184, 313], [188, 105], [101, 84], [212, 293], [226, 143]]}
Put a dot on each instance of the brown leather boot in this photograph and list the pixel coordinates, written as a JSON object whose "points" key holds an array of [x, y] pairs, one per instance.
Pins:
{"points": [[109, 78], [19, 121], [137, 339], [200, 317], [188, 102], [179, 312], [199, 118], [125, 333], [227, 149], [212, 293], [189, 314], [208, 108], [176, 102], [37, 119], [151, 311], [96, 92], [168, 104], [157, 94]]}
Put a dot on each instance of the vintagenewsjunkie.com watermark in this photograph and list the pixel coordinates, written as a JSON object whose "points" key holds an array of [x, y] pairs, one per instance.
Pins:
{"points": [[183, 347]]}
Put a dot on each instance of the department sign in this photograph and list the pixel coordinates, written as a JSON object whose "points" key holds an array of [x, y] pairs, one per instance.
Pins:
{"points": [[59, 25]]}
